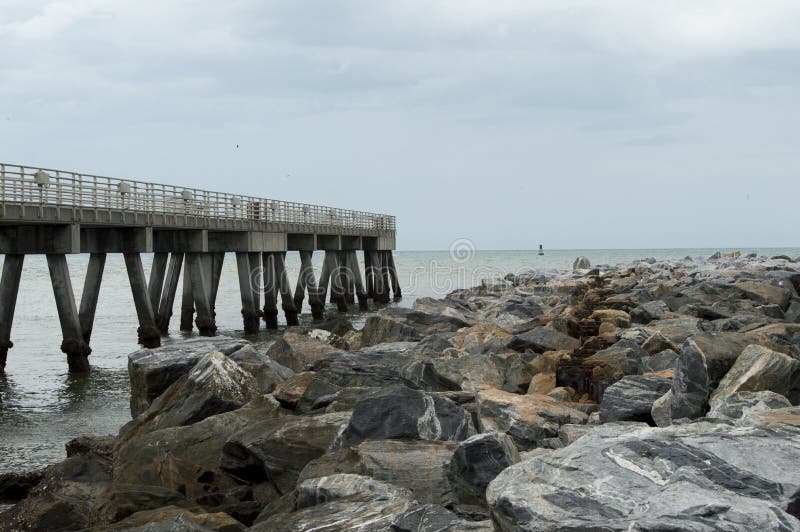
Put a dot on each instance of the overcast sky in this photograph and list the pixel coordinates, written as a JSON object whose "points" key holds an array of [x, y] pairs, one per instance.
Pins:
{"points": [[576, 124]]}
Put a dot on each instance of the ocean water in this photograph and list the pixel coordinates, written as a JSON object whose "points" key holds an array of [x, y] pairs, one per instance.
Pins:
{"points": [[42, 406]]}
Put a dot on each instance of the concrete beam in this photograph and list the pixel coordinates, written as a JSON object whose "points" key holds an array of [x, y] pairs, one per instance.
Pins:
{"points": [[39, 239], [329, 242], [180, 240], [301, 242], [116, 239]]}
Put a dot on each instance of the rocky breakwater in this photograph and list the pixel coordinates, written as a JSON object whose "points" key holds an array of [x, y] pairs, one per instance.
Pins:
{"points": [[654, 395]]}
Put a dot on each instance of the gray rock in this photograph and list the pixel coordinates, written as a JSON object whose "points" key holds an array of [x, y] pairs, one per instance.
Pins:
{"points": [[418, 466], [434, 518], [152, 371], [267, 372], [338, 502], [276, 450], [581, 263], [119, 501], [736, 405], [297, 350], [647, 312], [699, 476], [688, 396], [177, 519], [663, 360], [216, 384], [398, 412], [477, 461], [383, 328], [760, 369], [530, 420], [542, 339], [632, 398]]}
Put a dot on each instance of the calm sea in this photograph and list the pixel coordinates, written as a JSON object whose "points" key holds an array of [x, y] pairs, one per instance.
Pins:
{"points": [[42, 406]]}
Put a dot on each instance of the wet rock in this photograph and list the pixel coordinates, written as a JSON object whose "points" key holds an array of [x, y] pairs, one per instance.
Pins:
{"points": [[298, 350], [434, 518], [186, 459], [632, 398], [99, 445], [647, 312], [699, 476], [267, 372], [216, 384], [416, 465], [581, 263], [152, 371], [542, 339], [338, 502], [398, 412], [276, 450], [735, 406], [760, 369], [174, 518], [289, 392], [16, 486], [528, 419], [119, 501], [477, 461], [64, 497]]}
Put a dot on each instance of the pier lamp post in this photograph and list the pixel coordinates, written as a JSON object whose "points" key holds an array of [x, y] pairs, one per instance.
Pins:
{"points": [[305, 214], [123, 188], [186, 194], [42, 180], [235, 202]]}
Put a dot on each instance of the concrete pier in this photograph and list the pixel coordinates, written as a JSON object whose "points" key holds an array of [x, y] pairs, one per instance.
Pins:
{"points": [[9, 288], [91, 293], [57, 213], [149, 334], [73, 345]]}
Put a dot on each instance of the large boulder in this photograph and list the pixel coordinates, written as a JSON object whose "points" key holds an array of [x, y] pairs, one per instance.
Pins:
{"points": [[434, 518], [477, 461], [739, 404], [530, 420], [765, 293], [186, 458], [276, 450], [416, 465], [398, 412], [541, 339], [760, 369], [469, 371], [175, 518], [267, 372], [611, 364], [384, 327], [216, 384], [581, 263], [699, 476], [632, 397], [688, 395], [298, 350], [152, 371], [337, 502], [119, 501]]}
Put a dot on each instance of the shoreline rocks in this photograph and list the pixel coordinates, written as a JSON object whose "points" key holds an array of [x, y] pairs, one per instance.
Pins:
{"points": [[653, 395]]}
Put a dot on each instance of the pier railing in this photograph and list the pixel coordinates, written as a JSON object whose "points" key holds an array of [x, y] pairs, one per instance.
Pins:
{"points": [[23, 185]]}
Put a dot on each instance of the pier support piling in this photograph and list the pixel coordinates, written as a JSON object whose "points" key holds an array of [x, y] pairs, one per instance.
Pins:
{"points": [[200, 274], [384, 261], [187, 298], [73, 345], [396, 292], [9, 288], [369, 275], [381, 291], [91, 292], [250, 314], [361, 293], [167, 300], [338, 283], [217, 260], [310, 283], [156, 282], [348, 281], [287, 301], [149, 334], [270, 291]]}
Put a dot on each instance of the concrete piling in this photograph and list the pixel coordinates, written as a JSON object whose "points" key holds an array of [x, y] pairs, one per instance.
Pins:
{"points": [[9, 288], [337, 284], [307, 272], [156, 281], [200, 274], [270, 291], [167, 300], [187, 298], [149, 334], [91, 292], [287, 301], [73, 345], [361, 293], [381, 291], [398, 294], [256, 279], [250, 314]]}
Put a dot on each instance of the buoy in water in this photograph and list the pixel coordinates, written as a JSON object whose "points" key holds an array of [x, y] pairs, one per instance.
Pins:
{"points": [[541, 251]]}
